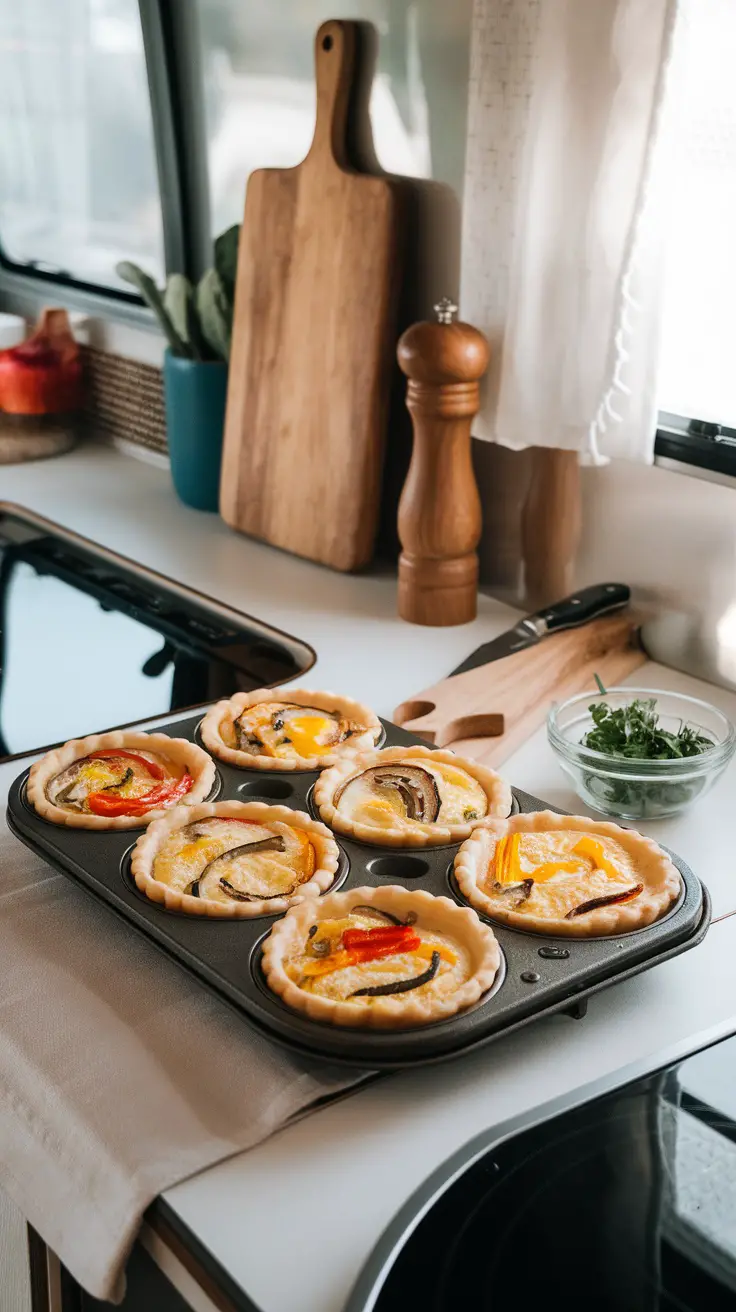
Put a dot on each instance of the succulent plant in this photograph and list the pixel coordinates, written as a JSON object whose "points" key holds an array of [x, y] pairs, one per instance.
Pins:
{"points": [[197, 321], [215, 311]]}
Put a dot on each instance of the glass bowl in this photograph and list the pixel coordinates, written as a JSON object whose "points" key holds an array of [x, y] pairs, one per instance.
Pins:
{"points": [[640, 790]]}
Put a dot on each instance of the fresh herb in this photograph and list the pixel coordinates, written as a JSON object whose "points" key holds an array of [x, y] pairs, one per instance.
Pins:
{"points": [[470, 814], [633, 732]]}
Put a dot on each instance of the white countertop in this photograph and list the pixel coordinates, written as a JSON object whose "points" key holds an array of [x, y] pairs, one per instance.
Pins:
{"points": [[332, 1182], [349, 619]]}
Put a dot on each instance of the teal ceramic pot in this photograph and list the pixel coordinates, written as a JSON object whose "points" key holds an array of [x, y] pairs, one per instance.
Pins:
{"points": [[195, 392]]}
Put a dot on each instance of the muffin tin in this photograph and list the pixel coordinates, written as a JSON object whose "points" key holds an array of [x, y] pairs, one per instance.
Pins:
{"points": [[539, 975]]}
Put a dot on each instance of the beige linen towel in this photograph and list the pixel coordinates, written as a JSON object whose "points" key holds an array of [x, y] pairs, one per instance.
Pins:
{"points": [[119, 1075]]}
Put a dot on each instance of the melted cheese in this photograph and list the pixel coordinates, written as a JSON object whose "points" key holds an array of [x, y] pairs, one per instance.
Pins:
{"points": [[70, 789], [305, 731], [308, 733], [463, 798], [315, 973], [568, 868], [182, 860]]}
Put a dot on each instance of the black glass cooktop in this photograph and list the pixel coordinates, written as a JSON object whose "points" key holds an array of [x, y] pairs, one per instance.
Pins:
{"points": [[626, 1204], [90, 640]]}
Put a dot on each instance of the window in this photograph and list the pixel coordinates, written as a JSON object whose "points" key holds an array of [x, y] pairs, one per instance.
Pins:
{"points": [[258, 71], [78, 181], [698, 362]]}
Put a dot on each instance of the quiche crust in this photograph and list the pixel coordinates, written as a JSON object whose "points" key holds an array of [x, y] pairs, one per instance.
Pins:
{"points": [[229, 709], [177, 750], [654, 869], [416, 833], [396, 1011], [326, 851]]}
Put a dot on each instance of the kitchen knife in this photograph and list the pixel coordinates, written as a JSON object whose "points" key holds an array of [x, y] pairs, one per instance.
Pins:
{"points": [[587, 604]]}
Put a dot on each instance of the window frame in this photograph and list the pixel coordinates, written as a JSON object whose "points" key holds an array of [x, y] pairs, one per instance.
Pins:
{"points": [[176, 100], [698, 447], [172, 53]]}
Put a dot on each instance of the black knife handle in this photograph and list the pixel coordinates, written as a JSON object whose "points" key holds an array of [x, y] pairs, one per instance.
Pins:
{"points": [[584, 605]]}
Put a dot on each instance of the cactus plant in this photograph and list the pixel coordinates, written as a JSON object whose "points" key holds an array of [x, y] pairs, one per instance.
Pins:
{"points": [[197, 322]]}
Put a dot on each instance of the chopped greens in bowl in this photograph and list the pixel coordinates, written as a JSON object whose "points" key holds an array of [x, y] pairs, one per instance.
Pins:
{"points": [[636, 754], [634, 733]]}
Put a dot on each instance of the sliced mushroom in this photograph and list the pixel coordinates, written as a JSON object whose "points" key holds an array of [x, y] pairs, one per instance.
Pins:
{"points": [[516, 893], [60, 788], [274, 844], [246, 740], [321, 947], [68, 789], [401, 985], [205, 827], [215, 871], [416, 787], [611, 900], [240, 896]]}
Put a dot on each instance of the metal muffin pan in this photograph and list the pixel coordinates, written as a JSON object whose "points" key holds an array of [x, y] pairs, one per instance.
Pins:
{"points": [[540, 975]]}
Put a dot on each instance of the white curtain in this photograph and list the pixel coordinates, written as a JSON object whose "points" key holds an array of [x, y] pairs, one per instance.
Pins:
{"points": [[562, 241]]}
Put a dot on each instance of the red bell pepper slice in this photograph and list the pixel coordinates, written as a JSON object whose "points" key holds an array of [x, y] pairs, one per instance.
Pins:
{"points": [[371, 951], [164, 795], [355, 938], [368, 944], [154, 769]]}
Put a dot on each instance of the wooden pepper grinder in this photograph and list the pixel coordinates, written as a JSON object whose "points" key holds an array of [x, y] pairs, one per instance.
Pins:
{"points": [[439, 511]]}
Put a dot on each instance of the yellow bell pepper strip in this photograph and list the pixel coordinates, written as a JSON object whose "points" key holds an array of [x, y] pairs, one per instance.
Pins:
{"points": [[591, 848], [345, 957], [507, 859], [549, 869], [499, 859], [425, 951], [508, 871]]}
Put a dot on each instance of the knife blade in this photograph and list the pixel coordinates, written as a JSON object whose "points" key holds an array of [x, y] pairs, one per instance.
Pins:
{"points": [[579, 608]]}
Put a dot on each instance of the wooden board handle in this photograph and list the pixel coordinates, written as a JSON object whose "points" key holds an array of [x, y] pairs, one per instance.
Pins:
{"points": [[489, 711], [335, 48]]}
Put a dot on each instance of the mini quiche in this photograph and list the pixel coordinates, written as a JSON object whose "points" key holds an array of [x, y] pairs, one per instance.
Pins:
{"points": [[119, 780], [234, 859], [382, 957], [565, 874], [409, 796], [287, 729]]}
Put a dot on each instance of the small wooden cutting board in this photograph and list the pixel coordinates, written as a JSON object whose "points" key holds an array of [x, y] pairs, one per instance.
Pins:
{"points": [[313, 338], [488, 712]]}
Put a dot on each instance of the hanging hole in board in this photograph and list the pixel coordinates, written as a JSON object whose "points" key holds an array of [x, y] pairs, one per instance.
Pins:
{"points": [[326, 42]]}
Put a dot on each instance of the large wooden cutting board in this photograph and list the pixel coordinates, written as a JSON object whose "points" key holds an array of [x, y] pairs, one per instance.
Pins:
{"points": [[488, 712], [313, 338]]}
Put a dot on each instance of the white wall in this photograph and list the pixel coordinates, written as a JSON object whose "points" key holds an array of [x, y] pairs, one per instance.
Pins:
{"points": [[671, 535]]}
